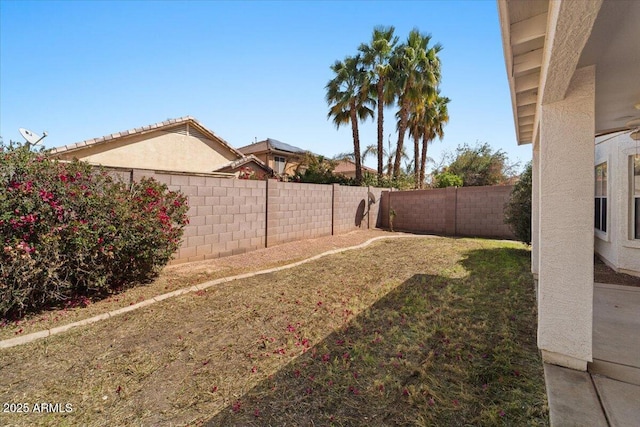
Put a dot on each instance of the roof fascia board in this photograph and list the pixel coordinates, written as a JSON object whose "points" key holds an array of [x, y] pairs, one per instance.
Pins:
{"points": [[505, 26], [211, 134]]}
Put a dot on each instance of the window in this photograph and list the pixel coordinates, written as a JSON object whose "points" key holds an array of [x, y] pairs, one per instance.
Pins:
{"points": [[279, 163], [634, 167], [601, 197]]}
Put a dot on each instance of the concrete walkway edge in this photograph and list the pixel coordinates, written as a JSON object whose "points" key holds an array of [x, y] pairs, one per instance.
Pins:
{"points": [[12, 342]]}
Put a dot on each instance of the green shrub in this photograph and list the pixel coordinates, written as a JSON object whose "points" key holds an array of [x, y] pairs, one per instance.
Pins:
{"points": [[401, 182], [517, 212], [448, 179], [70, 231]]}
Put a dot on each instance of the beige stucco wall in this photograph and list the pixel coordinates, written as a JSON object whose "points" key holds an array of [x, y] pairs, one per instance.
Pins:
{"points": [[566, 207], [535, 208], [160, 150], [616, 246], [290, 166]]}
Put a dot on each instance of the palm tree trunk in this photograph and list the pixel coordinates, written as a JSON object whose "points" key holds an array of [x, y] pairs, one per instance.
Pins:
{"points": [[416, 162], [380, 88], [356, 143], [402, 129], [423, 157]]}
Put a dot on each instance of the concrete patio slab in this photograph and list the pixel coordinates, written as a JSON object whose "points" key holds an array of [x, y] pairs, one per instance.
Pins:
{"points": [[573, 401], [621, 401], [616, 332]]}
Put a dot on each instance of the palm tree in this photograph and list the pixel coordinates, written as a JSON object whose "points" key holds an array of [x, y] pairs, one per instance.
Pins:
{"points": [[377, 56], [436, 117], [349, 101], [416, 75], [416, 126]]}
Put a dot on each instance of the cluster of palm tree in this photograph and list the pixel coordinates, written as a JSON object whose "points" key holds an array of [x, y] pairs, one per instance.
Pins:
{"points": [[383, 73]]}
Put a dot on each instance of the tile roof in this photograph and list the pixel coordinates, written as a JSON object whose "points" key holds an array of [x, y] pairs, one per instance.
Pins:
{"points": [[346, 165], [243, 161]]}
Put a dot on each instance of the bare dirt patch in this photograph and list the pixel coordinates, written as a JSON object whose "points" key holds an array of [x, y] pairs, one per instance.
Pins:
{"points": [[604, 274]]}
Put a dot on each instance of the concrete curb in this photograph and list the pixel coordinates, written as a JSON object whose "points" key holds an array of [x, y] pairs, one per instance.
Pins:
{"points": [[12, 342]]}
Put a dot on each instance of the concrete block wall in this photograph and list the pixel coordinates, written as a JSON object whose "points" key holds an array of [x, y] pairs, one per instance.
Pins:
{"points": [[297, 211], [420, 210], [350, 210], [480, 211], [375, 210], [226, 216], [232, 216], [466, 211]]}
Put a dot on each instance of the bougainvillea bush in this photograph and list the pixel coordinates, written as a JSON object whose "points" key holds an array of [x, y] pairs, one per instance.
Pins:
{"points": [[70, 230]]}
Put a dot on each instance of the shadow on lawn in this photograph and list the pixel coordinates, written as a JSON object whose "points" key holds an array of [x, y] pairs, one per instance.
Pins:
{"points": [[434, 351]]}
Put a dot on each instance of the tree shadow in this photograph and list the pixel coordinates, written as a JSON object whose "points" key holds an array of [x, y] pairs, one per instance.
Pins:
{"points": [[436, 350], [360, 213]]}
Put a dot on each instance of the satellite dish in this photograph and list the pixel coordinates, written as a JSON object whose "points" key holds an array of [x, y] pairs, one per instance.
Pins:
{"points": [[372, 198], [32, 137]]}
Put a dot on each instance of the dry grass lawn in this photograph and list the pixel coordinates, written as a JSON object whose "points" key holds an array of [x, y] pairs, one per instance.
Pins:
{"points": [[420, 331]]}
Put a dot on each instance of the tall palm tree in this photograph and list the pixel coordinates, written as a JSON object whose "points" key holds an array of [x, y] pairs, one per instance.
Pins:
{"points": [[416, 126], [350, 101], [436, 117], [377, 57], [416, 75]]}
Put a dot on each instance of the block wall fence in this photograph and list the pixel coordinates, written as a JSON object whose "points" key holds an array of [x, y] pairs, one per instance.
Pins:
{"points": [[465, 211], [234, 216]]}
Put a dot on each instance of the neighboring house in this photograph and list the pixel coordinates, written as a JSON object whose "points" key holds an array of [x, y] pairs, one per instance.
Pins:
{"points": [[182, 145], [574, 73], [282, 158], [346, 167], [247, 166]]}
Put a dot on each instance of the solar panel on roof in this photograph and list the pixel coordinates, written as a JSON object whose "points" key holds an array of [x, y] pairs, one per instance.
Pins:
{"points": [[278, 145]]}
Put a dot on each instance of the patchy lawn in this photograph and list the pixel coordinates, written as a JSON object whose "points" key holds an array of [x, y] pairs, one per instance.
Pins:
{"points": [[419, 331]]}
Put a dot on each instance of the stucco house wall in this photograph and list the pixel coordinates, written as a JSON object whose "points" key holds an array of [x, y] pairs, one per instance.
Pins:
{"points": [[164, 150], [181, 144], [616, 247]]}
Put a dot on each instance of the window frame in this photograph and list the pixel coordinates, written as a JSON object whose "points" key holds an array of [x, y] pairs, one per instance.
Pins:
{"points": [[634, 197], [601, 205], [277, 160]]}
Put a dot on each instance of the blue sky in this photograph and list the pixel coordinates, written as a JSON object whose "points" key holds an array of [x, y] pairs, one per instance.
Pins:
{"points": [[244, 69]]}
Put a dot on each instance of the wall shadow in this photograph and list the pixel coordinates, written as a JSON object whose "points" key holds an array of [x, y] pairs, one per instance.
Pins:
{"points": [[436, 350]]}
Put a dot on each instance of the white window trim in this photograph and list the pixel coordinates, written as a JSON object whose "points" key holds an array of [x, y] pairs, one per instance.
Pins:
{"points": [[627, 241], [604, 235]]}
